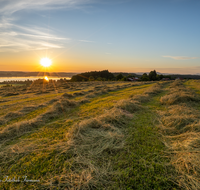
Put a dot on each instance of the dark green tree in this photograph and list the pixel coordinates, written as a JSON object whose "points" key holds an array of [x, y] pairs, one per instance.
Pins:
{"points": [[119, 77], [153, 75], [124, 79], [168, 76], [130, 76], [144, 77], [91, 78], [159, 77], [95, 74]]}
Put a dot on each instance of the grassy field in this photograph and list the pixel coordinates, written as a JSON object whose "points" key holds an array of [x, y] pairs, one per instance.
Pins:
{"points": [[100, 135]]}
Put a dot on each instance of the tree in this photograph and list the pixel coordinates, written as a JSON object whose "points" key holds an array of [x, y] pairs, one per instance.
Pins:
{"points": [[160, 77], [124, 79], [119, 77], [152, 75], [145, 77], [130, 76], [99, 79], [91, 78], [95, 74]]}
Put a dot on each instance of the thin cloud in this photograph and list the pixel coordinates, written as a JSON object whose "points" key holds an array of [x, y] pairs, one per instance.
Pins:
{"points": [[180, 57], [86, 41], [9, 6], [15, 37]]}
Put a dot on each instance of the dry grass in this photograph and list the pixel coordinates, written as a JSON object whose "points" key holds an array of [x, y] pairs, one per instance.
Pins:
{"points": [[179, 94], [90, 141], [181, 134], [128, 105], [145, 97], [90, 95], [66, 95], [20, 128], [179, 97], [78, 93], [155, 89], [17, 114], [12, 115], [84, 100]]}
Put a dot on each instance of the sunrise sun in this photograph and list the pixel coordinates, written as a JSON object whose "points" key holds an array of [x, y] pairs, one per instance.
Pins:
{"points": [[45, 62]]}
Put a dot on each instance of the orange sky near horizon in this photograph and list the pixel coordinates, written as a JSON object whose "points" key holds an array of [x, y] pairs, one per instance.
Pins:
{"points": [[70, 62]]}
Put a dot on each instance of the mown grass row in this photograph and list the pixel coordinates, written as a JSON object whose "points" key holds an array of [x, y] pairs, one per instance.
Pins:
{"points": [[180, 129], [18, 102], [29, 113]]}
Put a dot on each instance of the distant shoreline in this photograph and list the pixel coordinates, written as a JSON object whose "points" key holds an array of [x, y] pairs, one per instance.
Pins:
{"points": [[32, 78], [35, 74], [9, 74]]}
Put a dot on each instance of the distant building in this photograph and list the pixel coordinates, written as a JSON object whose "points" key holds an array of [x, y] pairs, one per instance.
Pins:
{"points": [[164, 79], [133, 79], [179, 78]]}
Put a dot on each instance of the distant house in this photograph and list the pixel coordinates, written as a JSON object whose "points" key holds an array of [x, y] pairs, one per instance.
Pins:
{"points": [[164, 79], [179, 78], [133, 79]]}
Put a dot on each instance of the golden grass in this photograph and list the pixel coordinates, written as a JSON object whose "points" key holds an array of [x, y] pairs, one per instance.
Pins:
{"points": [[89, 141], [181, 134], [179, 97], [128, 105], [179, 94], [20, 128]]}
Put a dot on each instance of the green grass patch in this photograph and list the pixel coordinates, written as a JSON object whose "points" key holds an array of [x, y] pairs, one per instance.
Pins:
{"points": [[142, 164], [99, 104]]}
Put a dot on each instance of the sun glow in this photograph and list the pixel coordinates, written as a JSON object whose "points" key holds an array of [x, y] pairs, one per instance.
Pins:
{"points": [[45, 62], [46, 78]]}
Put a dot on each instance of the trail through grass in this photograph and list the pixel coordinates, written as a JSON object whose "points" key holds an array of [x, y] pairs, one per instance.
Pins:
{"points": [[142, 163]]}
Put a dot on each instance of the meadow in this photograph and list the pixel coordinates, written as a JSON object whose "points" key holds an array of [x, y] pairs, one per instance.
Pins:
{"points": [[100, 135]]}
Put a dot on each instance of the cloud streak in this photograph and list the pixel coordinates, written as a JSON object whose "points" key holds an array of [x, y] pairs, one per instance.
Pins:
{"points": [[17, 37], [180, 57], [86, 41], [10, 6], [20, 37]]}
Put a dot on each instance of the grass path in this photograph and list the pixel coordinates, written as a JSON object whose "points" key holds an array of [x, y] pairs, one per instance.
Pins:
{"points": [[142, 164]]}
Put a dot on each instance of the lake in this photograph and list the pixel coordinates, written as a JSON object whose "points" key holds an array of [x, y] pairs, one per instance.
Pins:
{"points": [[2, 79]]}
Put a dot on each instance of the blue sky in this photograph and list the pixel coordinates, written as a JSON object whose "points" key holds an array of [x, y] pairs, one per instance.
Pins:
{"points": [[84, 35]]}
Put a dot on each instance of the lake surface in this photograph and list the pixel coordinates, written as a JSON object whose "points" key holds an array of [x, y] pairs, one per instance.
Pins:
{"points": [[2, 79]]}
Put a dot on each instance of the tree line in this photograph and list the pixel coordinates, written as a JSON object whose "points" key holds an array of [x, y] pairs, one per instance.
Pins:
{"points": [[105, 75], [153, 76]]}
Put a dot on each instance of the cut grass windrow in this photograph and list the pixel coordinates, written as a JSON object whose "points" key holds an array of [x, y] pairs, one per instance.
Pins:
{"points": [[180, 128]]}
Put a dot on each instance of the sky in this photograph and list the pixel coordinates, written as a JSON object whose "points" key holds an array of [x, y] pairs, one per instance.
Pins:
{"points": [[88, 35]]}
